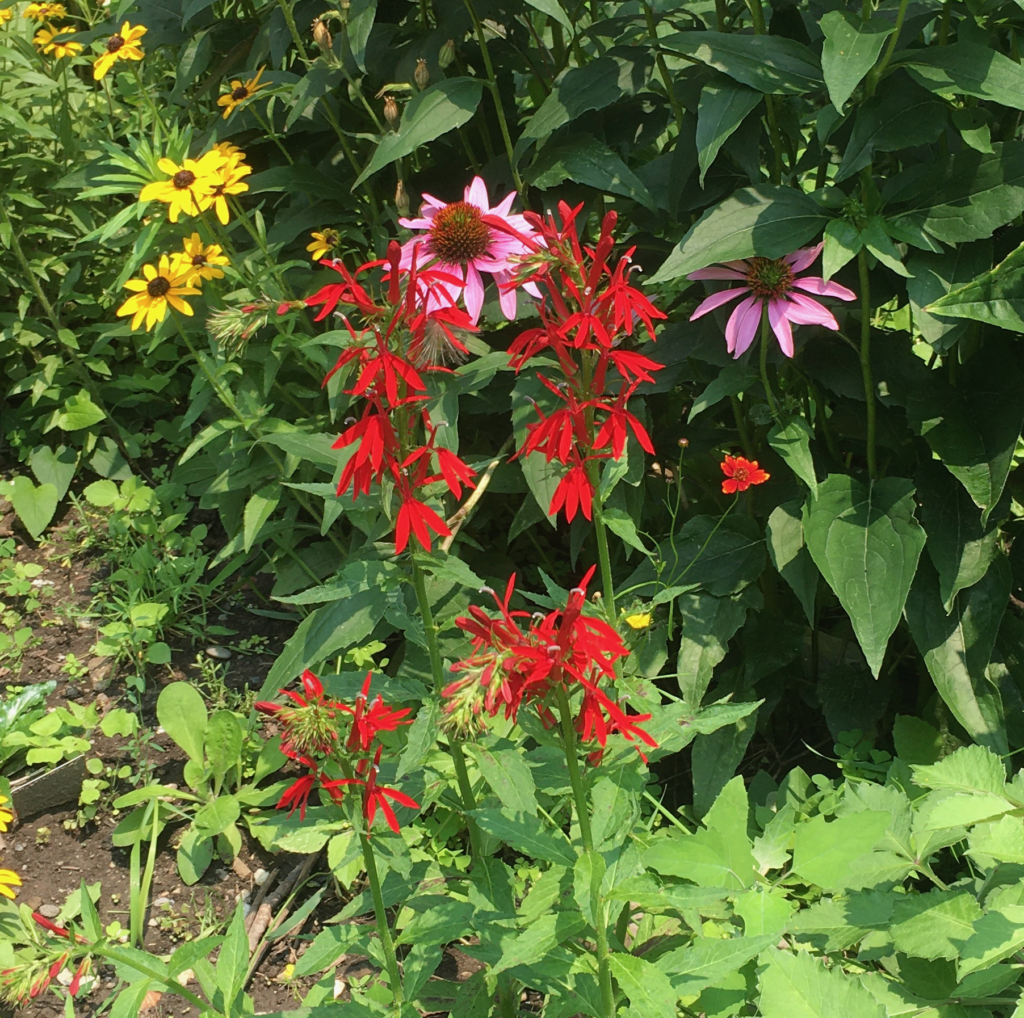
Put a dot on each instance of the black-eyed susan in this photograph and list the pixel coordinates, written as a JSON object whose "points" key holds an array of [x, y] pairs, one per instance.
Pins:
{"points": [[190, 185], [159, 289], [6, 816], [8, 880], [198, 261], [44, 11], [324, 243], [6, 13], [240, 91], [46, 41], [122, 45], [229, 181]]}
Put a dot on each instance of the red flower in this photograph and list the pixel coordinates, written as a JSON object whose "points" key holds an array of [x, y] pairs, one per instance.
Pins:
{"points": [[420, 519], [574, 492], [373, 796], [76, 983], [308, 726], [377, 450], [50, 927], [379, 718], [297, 794], [741, 473]]}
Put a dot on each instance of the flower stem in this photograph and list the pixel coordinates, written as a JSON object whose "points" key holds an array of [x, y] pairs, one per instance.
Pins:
{"points": [[289, 17], [149, 100], [765, 341], [383, 930], [495, 93], [663, 72], [757, 15], [875, 75], [601, 534], [604, 972], [865, 359]]}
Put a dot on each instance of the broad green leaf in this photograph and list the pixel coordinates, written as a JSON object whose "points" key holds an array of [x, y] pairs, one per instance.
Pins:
{"points": [[933, 276], [1001, 840], [649, 991], [865, 541], [258, 510], [708, 959], [764, 912], [791, 439], [995, 297], [328, 946], [54, 466], [962, 810], [789, 554], [195, 853], [957, 647], [708, 623], [800, 986], [436, 110], [974, 427], [966, 196], [507, 773], [233, 960], [527, 834], [722, 556], [969, 69], [223, 742], [851, 48], [934, 925], [622, 525], [437, 921], [770, 64], [522, 947], [217, 816], [182, 713], [997, 935], [723, 106], [731, 380], [969, 769], [148, 614], [588, 872], [614, 804], [960, 547], [553, 9], [79, 412], [421, 738], [843, 242], [763, 220], [35, 506], [834, 924], [825, 851]]}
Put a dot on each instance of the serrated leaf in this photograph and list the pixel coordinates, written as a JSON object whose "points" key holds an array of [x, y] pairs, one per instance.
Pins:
{"points": [[996, 297], [824, 851], [523, 947], [707, 960], [508, 774], [708, 623], [649, 991], [997, 935], [934, 925], [258, 510], [527, 834], [968, 769], [799, 986]]}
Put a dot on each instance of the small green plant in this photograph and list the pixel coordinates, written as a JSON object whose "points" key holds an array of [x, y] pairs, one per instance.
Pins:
{"points": [[73, 668]]}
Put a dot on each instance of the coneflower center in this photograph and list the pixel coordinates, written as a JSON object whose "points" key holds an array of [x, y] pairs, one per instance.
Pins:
{"points": [[769, 277], [458, 234], [158, 287], [114, 43], [183, 179], [240, 93], [199, 259]]}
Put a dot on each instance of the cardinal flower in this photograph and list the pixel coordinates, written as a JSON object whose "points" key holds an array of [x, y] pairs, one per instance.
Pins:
{"points": [[374, 796], [772, 284], [367, 721], [740, 474], [457, 236], [296, 795], [308, 722]]}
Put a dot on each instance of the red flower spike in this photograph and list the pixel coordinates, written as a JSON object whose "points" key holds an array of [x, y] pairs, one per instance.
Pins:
{"points": [[367, 723], [83, 970], [50, 927], [740, 474], [297, 794], [574, 492], [374, 796], [420, 519]]}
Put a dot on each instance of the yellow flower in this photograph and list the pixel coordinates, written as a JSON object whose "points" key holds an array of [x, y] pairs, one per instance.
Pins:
{"points": [[232, 153], [198, 261], [159, 287], [6, 816], [44, 42], [190, 186], [229, 181], [9, 879], [323, 244], [122, 45], [641, 620], [6, 13], [44, 12], [240, 91]]}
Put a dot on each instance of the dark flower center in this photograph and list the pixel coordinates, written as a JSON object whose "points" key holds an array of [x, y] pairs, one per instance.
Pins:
{"points": [[740, 474], [769, 277], [114, 43], [183, 179], [158, 287], [199, 259], [240, 93], [459, 234]]}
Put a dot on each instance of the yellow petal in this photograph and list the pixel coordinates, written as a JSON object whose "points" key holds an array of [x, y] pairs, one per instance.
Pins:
{"points": [[168, 166]]}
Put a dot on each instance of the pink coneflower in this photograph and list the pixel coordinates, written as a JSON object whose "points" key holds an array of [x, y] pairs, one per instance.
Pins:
{"points": [[771, 283], [464, 245]]}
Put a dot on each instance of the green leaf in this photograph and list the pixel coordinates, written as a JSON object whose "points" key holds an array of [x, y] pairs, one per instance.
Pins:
{"points": [[789, 554], [523, 947], [969, 769], [866, 543], [851, 48], [102, 493], [217, 816], [258, 510], [79, 412], [997, 935], [708, 623], [771, 64], [720, 555], [825, 851], [935, 275], [195, 853], [957, 647], [54, 466], [843, 242], [421, 739], [799, 986], [960, 546], [437, 921], [731, 380], [508, 774], [182, 713], [554, 10], [967, 68], [435, 111], [35, 506], [233, 961], [995, 297], [648, 989], [1001, 840], [791, 439], [974, 427], [583, 159], [223, 742], [527, 834], [723, 106], [934, 925], [765, 913], [764, 220], [588, 872], [707, 960]]}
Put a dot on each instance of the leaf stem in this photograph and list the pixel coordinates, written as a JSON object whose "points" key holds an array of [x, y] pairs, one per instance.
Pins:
{"points": [[865, 359], [875, 75], [289, 18]]}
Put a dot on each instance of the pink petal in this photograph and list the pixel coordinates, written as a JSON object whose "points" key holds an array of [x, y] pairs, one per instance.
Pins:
{"points": [[415, 224], [799, 260], [804, 311], [780, 325], [717, 300], [476, 194], [429, 199], [474, 292], [504, 206], [741, 328], [815, 284], [532, 289], [716, 272], [506, 298]]}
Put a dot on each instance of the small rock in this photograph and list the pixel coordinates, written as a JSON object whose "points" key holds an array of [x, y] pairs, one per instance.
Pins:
{"points": [[153, 922], [20, 847], [163, 901], [219, 653], [65, 977], [261, 876], [34, 903], [72, 692], [49, 911], [241, 870], [222, 617], [112, 866]]}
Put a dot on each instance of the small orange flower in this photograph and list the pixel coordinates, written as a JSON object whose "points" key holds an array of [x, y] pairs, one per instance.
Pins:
{"points": [[740, 474]]}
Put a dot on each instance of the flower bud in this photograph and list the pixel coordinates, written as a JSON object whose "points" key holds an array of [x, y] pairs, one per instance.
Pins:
{"points": [[401, 199], [390, 110], [322, 35], [421, 75], [683, 443], [446, 55]]}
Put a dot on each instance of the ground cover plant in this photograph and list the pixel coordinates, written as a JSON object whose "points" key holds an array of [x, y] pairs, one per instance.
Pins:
{"points": [[605, 418]]}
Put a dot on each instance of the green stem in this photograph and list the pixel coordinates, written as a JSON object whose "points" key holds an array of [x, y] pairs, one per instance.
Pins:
{"points": [[741, 426], [495, 93], [271, 133], [604, 972], [666, 78], [757, 14], [875, 76], [765, 341], [607, 583], [721, 11], [383, 930], [159, 120], [865, 358], [289, 17]]}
